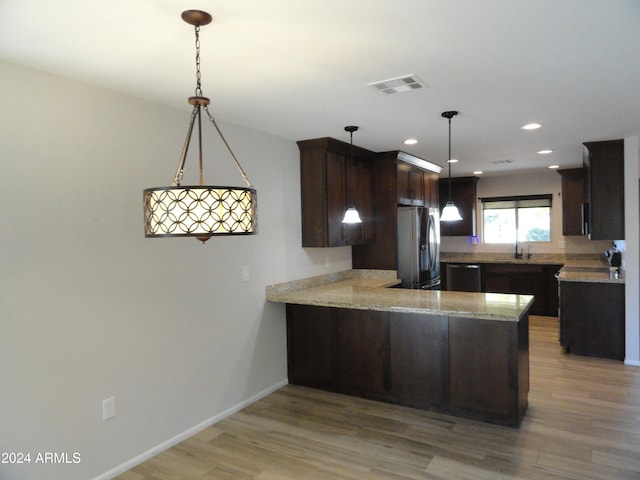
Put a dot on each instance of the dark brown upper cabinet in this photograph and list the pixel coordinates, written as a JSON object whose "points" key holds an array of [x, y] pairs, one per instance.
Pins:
{"points": [[604, 168], [573, 201], [330, 182], [400, 179], [464, 195], [410, 184]]}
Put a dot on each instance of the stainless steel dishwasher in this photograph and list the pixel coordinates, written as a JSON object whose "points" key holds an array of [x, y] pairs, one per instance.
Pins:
{"points": [[463, 277]]}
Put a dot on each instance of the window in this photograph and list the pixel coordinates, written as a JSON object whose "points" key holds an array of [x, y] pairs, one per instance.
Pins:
{"points": [[525, 218]]}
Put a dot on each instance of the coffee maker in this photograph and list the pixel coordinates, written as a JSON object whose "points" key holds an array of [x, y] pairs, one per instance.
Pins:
{"points": [[614, 256]]}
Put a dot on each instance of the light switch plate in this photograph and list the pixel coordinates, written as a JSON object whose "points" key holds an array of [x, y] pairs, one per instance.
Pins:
{"points": [[108, 408]]}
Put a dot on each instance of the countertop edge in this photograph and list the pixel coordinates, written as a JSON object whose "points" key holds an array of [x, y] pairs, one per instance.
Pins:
{"points": [[420, 311], [371, 293]]}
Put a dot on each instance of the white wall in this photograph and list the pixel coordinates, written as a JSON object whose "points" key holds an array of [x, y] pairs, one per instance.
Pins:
{"points": [[631, 254], [548, 182], [90, 309]]}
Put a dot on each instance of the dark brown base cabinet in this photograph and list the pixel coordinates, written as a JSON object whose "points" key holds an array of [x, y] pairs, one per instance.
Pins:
{"points": [[530, 279], [524, 279], [472, 368], [592, 319]]}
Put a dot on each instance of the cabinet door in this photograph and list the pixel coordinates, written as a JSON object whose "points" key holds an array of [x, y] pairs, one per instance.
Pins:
{"points": [[382, 252], [592, 319], [410, 185], [403, 184], [430, 189], [419, 359], [322, 188], [536, 280], [573, 199], [363, 353], [497, 279], [604, 165], [492, 381], [312, 347], [463, 194], [416, 184], [336, 199], [361, 195]]}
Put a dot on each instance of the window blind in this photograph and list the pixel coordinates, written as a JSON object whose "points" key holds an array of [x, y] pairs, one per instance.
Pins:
{"points": [[520, 201]]}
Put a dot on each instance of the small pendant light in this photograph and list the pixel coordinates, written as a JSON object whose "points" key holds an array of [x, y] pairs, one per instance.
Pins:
{"points": [[351, 215], [450, 212]]}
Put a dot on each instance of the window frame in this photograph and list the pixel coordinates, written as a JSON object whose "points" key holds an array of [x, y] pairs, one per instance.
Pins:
{"points": [[516, 202]]}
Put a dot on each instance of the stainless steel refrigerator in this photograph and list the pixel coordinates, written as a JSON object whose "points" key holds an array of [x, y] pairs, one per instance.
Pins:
{"points": [[419, 247]]}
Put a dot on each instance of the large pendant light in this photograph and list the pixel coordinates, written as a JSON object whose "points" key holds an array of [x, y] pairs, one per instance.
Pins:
{"points": [[450, 212], [200, 211], [351, 215]]}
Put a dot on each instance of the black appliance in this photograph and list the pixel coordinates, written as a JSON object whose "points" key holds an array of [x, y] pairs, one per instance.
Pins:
{"points": [[615, 257], [419, 247], [463, 277]]}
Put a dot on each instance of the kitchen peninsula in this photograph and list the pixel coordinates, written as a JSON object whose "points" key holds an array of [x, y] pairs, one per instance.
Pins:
{"points": [[461, 353]]}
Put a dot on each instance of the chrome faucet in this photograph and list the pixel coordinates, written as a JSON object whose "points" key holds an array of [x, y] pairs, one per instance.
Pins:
{"points": [[516, 254]]}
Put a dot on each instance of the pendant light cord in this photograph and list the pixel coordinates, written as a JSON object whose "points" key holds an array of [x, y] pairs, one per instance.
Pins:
{"points": [[449, 115], [449, 162]]}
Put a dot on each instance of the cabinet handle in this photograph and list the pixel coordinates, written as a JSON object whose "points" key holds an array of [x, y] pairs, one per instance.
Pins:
{"points": [[584, 210]]}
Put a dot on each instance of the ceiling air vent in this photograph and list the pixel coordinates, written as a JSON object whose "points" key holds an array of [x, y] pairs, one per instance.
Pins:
{"points": [[501, 162], [406, 83]]}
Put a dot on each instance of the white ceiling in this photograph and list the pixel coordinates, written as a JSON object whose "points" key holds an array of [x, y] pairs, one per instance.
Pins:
{"points": [[299, 68]]}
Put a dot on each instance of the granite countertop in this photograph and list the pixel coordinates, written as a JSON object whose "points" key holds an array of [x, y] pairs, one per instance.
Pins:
{"points": [[575, 267], [535, 259], [351, 289], [587, 274]]}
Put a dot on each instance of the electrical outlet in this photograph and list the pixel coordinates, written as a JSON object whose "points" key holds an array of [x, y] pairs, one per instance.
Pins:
{"points": [[245, 274], [108, 408]]}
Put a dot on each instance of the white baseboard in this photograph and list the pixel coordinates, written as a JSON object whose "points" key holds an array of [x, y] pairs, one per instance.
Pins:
{"points": [[633, 363], [128, 465]]}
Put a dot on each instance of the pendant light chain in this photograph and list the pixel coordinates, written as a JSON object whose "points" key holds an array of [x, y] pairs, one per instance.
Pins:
{"points": [[244, 175], [198, 74]]}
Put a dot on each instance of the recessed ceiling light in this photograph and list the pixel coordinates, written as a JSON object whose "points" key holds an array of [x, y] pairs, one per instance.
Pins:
{"points": [[531, 126], [545, 152], [478, 172], [453, 160], [410, 141], [554, 166]]}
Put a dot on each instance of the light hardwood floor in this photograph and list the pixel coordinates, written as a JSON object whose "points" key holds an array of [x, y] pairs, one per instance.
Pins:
{"points": [[583, 422]]}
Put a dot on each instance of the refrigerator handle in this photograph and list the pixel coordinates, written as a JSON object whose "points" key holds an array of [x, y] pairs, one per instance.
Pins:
{"points": [[430, 232]]}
